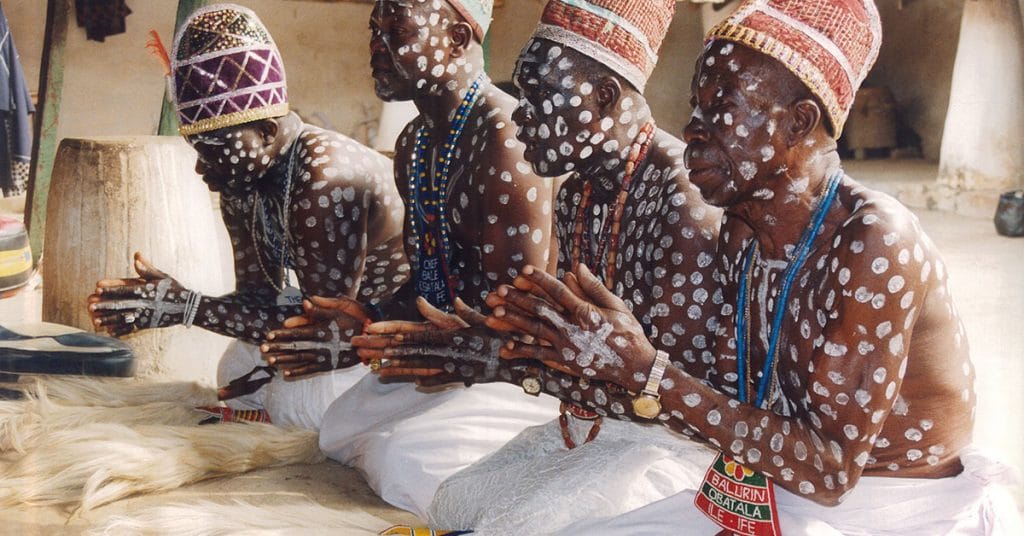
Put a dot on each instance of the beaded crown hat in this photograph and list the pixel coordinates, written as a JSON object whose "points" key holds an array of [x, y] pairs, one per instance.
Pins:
{"points": [[625, 35], [828, 44], [225, 70]]}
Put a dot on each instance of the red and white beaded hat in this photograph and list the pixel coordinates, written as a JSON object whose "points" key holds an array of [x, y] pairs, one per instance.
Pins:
{"points": [[625, 35], [829, 44], [226, 70]]}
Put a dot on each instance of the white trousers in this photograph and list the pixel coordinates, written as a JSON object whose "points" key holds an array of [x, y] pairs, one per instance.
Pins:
{"points": [[972, 503], [535, 485], [299, 402], [406, 440], [638, 479]]}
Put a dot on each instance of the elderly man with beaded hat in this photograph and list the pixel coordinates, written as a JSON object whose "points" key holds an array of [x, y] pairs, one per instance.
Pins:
{"points": [[841, 398], [627, 210], [294, 198], [476, 213]]}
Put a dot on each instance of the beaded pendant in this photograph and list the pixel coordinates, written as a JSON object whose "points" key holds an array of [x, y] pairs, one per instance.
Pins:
{"points": [[428, 221]]}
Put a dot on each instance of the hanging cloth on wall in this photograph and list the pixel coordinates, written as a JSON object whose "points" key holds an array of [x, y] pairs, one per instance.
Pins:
{"points": [[15, 107], [101, 17]]}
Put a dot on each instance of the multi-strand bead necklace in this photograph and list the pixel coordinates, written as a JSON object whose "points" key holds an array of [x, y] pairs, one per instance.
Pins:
{"points": [[269, 227], [608, 238]]}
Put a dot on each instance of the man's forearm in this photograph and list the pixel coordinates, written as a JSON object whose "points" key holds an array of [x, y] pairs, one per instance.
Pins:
{"points": [[247, 317]]}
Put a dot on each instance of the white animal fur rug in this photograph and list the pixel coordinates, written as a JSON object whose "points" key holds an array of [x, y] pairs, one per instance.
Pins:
{"points": [[87, 442]]}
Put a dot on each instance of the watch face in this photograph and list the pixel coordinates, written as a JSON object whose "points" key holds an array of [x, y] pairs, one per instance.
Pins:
{"points": [[646, 407], [531, 385]]}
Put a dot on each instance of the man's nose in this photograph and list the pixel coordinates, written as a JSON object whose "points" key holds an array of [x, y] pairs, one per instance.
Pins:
{"points": [[695, 130], [201, 167], [377, 45]]}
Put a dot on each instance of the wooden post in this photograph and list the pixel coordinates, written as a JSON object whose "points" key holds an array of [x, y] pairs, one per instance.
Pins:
{"points": [[44, 144], [168, 115]]}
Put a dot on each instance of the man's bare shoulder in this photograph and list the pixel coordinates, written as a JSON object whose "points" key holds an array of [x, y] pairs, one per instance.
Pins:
{"points": [[494, 132], [331, 159], [880, 224]]}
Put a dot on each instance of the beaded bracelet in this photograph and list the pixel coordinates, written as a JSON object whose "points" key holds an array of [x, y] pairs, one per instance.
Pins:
{"points": [[191, 308]]}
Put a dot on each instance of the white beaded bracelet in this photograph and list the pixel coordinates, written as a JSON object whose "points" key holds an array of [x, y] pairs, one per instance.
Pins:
{"points": [[191, 307]]}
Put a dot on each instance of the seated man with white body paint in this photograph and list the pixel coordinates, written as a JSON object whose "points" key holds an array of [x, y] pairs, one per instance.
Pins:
{"points": [[841, 399], [293, 197], [475, 213], [629, 211]]}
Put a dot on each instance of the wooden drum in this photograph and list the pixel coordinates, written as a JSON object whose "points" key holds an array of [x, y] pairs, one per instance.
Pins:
{"points": [[111, 197]]}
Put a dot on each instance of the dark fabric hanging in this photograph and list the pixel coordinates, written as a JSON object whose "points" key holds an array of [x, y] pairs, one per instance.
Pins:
{"points": [[15, 107], [101, 17]]}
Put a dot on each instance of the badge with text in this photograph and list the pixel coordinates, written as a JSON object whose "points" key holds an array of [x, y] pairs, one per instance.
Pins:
{"points": [[289, 296], [738, 499]]}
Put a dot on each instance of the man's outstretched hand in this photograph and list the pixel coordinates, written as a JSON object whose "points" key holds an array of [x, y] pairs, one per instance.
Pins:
{"points": [[152, 300]]}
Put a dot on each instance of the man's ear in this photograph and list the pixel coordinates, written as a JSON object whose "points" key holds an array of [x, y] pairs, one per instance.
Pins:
{"points": [[608, 91], [806, 117], [461, 34], [268, 129]]}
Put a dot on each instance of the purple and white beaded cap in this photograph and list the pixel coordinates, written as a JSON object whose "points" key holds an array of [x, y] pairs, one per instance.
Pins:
{"points": [[226, 70]]}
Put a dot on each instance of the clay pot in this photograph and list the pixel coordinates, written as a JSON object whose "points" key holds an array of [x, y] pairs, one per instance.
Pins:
{"points": [[1010, 214]]}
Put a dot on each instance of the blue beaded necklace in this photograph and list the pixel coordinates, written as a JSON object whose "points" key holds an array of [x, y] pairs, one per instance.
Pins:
{"points": [[428, 221], [798, 258]]}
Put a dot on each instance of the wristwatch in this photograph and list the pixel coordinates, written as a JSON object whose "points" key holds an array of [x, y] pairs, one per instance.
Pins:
{"points": [[531, 385], [647, 404]]}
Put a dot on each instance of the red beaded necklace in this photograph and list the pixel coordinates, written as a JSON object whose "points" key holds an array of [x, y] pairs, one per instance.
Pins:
{"points": [[609, 236], [608, 245]]}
